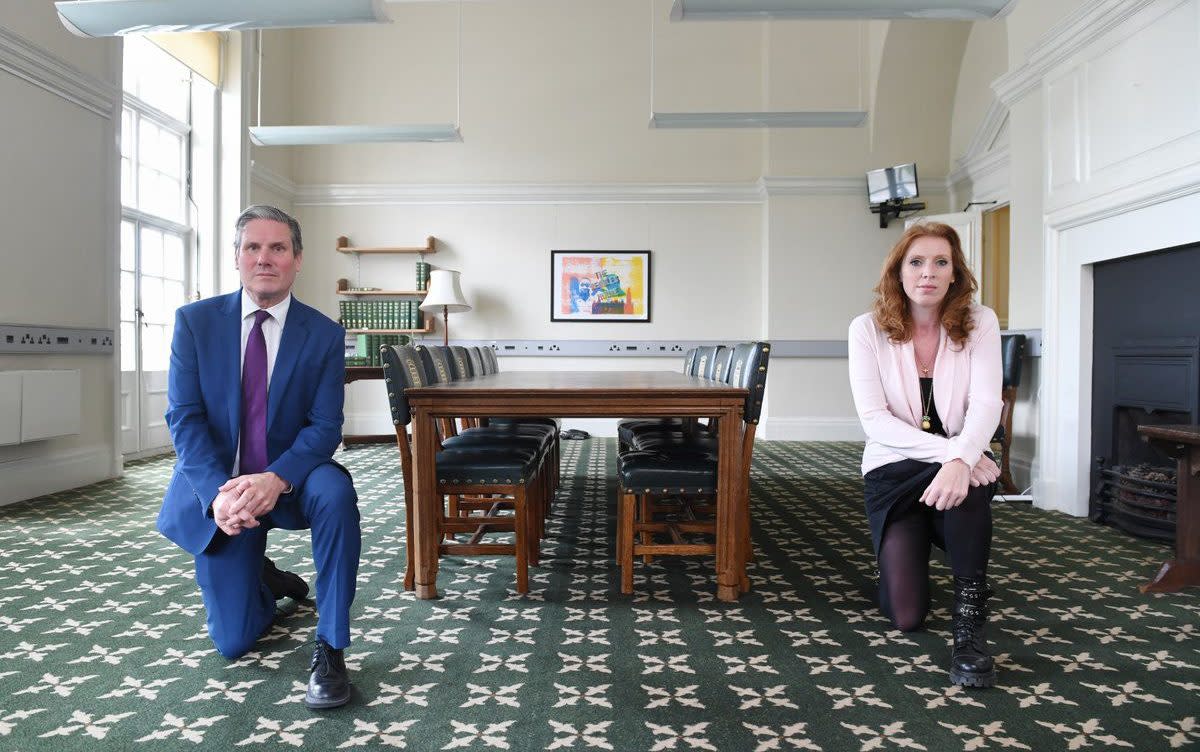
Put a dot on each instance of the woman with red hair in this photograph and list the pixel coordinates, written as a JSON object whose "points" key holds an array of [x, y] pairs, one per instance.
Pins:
{"points": [[926, 376]]}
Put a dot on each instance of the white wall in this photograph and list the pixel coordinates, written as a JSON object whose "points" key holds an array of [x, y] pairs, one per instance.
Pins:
{"points": [[58, 210], [555, 102]]}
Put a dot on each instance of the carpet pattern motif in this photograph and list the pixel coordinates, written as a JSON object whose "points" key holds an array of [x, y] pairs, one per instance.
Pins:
{"points": [[103, 642]]}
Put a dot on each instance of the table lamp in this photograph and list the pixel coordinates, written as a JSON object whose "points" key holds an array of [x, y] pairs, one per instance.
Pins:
{"points": [[445, 294]]}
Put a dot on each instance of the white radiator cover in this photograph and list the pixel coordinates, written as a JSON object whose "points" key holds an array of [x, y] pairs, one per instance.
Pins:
{"points": [[36, 405]]}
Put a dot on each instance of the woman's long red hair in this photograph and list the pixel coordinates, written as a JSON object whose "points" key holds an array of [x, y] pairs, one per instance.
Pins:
{"points": [[891, 304]]}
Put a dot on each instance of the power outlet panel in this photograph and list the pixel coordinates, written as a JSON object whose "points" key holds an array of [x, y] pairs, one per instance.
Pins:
{"points": [[55, 340]]}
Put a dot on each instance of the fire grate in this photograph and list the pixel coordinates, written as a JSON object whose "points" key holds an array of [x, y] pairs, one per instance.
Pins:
{"points": [[1139, 499]]}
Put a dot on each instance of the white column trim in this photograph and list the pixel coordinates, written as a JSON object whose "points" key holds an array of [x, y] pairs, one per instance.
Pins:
{"points": [[35, 65]]}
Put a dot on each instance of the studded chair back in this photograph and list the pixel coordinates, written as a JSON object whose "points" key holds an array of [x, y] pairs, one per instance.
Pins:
{"points": [[689, 361], [461, 362], [748, 369], [720, 369], [491, 364], [1012, 356], [476, 360], [704, 361], [402, 368], [437, 363]]}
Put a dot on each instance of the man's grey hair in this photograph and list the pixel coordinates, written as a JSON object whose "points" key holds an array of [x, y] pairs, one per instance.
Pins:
{"points": [[262, 211]]}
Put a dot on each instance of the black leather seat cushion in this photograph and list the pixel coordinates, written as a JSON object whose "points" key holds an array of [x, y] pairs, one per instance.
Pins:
{"points": [[480, 467], [524, 445], [675, 443], [629, 428], [664, 472]]}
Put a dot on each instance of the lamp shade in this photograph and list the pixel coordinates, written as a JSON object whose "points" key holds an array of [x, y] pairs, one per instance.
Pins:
{"points": [[445, 293], [107, 18]]}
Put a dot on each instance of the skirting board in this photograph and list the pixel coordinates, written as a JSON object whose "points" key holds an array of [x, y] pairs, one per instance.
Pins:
{"points": [[37, 476], [812, 429]]}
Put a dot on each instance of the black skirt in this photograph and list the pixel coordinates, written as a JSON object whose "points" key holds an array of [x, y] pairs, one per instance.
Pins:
{"points": [[892, 489]]}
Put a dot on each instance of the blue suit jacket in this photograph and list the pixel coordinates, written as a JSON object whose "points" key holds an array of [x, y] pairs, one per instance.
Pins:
{"points": [[204, 396]]}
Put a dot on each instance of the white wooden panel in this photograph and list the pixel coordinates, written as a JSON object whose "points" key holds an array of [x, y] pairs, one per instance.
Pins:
{"points": [[1142, 92], [1062, 120], [50, 404], [10, 407], [128, 412]]}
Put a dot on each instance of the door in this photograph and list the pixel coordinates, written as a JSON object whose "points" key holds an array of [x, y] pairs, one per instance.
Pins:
{"points": [[970, 232], [154, 281]]}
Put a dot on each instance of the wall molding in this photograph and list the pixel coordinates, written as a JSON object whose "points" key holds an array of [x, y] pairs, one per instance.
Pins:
{"points": [[25, 479], [36, 66], [977, 168], [812, 429], [390, 194], [1074, 33], [273, 181]]}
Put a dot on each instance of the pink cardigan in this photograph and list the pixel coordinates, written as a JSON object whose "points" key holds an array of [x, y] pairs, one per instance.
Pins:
{"points": [[887, 393]]}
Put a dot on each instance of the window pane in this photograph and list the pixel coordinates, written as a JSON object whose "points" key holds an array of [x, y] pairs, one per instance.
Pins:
{"points": [[170, 150], [155, 77], [156, 348], [173, 297], [127, 249], [147, 141], [127, 299], [173, 258], [153, 308], [147, 184], [152, 250], [170, 196], [128, 347]]}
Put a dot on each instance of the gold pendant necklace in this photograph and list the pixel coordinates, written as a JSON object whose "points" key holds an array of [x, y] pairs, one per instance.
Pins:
{"points": [[926, 423]]}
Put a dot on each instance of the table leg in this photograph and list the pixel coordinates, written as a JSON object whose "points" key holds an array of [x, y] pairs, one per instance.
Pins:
{"points": [[426, 535], [1184, 570], [731, 566]]}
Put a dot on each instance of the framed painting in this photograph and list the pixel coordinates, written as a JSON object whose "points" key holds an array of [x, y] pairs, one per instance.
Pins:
{"points": [[600, 286]]}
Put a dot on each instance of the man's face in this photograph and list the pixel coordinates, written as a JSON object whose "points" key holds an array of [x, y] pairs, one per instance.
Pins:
{"points": [[585, 288], [265, 261]]}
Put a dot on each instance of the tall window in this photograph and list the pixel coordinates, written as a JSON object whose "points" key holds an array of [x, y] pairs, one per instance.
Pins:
{"points": [[157, 227]]}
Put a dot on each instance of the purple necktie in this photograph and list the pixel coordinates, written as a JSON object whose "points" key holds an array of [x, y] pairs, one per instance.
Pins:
{"points": [[254, 399]]}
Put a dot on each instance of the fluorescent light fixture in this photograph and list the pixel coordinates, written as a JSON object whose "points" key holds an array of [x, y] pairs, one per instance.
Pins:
{"points": [[967, 10], [811, 119], [107, 18], [320, 135]]}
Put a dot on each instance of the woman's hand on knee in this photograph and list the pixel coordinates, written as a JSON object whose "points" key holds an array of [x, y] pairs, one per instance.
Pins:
{"points": [[985, 472], [949, 486]]}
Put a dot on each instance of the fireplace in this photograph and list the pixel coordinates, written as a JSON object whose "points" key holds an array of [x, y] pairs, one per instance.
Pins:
{"points": [[1145, 370]]}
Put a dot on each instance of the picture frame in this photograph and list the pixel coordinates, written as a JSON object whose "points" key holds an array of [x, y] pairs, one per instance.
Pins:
{"points": [[612, 286]]}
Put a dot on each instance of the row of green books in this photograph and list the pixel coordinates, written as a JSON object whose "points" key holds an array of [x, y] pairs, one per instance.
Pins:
{"points": [[423, 269], [366, 347], [381, 314]]}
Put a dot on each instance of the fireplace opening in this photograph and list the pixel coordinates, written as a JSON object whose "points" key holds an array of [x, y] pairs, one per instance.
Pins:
{"points": [[1145, 371]]}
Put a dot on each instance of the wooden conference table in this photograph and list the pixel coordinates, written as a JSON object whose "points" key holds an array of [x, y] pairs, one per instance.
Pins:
{"points": [[554, 394]]}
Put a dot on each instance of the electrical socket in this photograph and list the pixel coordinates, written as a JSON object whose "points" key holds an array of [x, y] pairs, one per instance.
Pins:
{"points": [[54, 340]]}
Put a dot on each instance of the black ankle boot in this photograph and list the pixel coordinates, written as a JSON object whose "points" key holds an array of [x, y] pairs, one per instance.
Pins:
{"points": [[970, 663]]}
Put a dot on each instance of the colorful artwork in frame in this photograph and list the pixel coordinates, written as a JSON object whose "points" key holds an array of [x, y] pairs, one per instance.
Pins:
{"points": [[600, 286]]}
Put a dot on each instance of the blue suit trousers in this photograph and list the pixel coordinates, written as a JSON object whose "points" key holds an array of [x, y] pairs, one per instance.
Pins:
{"points": [[229, 571]]}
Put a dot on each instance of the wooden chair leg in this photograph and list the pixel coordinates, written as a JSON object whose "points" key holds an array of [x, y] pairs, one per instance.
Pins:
{"points": [[453, 511], [522, 542], [533, 521], [409, 573], [625, 541]]}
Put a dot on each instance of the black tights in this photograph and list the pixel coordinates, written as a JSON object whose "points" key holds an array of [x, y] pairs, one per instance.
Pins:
{"points": [[964, 533]]}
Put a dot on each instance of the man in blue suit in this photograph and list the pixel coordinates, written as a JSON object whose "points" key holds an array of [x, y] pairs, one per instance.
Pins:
{"points": [[255, 411]]}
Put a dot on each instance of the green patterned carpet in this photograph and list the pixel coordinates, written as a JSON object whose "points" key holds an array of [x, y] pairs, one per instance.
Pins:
{"points": [[103, 642]]}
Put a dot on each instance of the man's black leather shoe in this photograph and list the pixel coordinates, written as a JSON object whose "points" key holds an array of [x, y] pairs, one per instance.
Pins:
{"points": [[329, 683], [282, 583]]}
